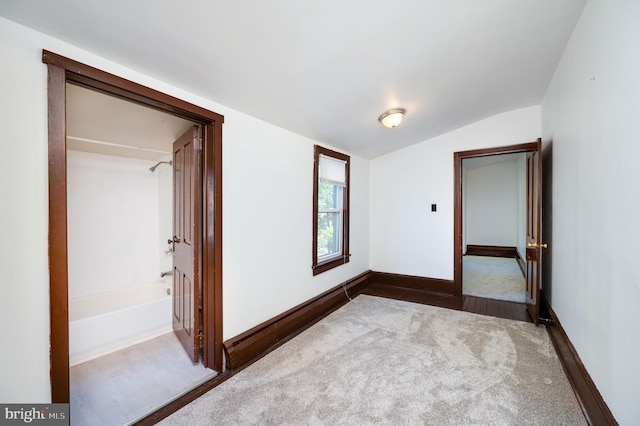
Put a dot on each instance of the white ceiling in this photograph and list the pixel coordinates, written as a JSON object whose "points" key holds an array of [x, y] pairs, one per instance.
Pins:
{"points": [[107, 125], [326, 69]]}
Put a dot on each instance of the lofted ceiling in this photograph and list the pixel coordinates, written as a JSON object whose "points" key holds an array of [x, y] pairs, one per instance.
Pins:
{"points": [[327, 69]]}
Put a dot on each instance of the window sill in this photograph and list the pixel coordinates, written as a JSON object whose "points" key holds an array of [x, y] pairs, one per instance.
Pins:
{"points": [[329, 264]]}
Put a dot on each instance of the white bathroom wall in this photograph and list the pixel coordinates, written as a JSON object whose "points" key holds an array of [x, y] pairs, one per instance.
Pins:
{"points": [[591, 118], [164, 176], [117, 212], [113, 222], [405, 236], [490, 194]]}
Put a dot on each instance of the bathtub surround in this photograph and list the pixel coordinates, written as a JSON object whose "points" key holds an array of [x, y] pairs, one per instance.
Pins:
{"points": [[378, 360], [113, 223], [119, 219], [103, 323]]}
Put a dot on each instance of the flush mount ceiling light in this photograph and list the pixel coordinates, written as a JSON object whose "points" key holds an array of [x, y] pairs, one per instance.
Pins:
{"points": [[392, 118]]}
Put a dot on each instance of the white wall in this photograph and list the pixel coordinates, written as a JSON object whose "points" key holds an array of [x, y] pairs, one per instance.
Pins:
{"points": [[24, 305], [113, 223], [267, 184], [268, 198], [490, 197], [591, 113], [405, 236]]}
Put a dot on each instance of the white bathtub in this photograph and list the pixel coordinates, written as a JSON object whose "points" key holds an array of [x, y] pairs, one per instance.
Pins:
{"points": [[106, 322]]}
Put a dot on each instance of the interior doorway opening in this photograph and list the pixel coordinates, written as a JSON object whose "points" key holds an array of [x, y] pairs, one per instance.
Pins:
{"points": [[120, 189], [209, 256], [494, 226], [532, 259]]}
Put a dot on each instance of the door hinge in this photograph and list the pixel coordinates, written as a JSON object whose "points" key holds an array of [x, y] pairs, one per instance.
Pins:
{"points": [[198, 144], [199, 342]]}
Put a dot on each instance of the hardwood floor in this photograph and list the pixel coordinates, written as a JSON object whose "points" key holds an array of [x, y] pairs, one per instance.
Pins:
{"points": [[495, 308], [123, 386], [477, 305]]}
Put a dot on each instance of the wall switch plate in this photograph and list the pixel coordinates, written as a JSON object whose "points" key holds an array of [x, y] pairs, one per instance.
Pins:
{"points": [[433, 208]]}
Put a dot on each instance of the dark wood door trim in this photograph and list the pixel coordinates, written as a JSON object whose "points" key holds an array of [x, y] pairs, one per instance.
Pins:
{"points": [[101, 81], [533, 254], [60, 71], [212, 245], [58, 272], [457, 198]]}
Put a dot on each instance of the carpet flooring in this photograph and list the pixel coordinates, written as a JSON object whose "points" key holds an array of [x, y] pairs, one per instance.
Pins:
{"points": [[493, 278], [382, 361]]}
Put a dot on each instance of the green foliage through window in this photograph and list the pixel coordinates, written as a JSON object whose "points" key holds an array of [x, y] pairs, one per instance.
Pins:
{"points": [[329, 211]]}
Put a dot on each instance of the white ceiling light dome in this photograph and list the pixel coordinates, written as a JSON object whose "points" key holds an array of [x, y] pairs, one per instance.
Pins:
{"points": [[392, 117]]}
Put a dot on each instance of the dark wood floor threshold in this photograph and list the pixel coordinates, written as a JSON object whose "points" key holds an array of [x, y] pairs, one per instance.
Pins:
{"points": [[496, 308], [185, 399], [593, 406], [476, 305], [492, 251]]}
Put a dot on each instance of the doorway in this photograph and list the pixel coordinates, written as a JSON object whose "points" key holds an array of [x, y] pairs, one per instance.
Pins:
{"points": [[533, 214], [120, 189], [494, 226], [61, 71]]}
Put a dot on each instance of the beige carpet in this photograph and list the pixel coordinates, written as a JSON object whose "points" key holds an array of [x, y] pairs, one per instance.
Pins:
{"points": [[493, 278], [381, 361]]}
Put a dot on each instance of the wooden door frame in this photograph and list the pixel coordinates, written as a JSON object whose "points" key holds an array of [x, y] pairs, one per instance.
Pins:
{"points": [[457, 198], [60, 71]]}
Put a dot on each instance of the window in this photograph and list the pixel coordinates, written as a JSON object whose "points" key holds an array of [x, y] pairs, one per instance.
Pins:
{"points": [[330, 209]]}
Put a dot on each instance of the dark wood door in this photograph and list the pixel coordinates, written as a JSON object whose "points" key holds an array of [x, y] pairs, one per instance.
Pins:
{"points": [[534, 246], [186, 242]]}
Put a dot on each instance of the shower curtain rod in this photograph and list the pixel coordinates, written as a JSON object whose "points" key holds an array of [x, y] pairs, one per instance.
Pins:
{"points": [[138, 148]]}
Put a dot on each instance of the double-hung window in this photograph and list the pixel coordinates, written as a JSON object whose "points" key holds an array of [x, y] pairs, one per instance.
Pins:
{"points": [[330, 209]]}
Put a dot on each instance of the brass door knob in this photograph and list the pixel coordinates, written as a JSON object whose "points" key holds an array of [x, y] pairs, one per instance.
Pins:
{"points": [[536, 245]]}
